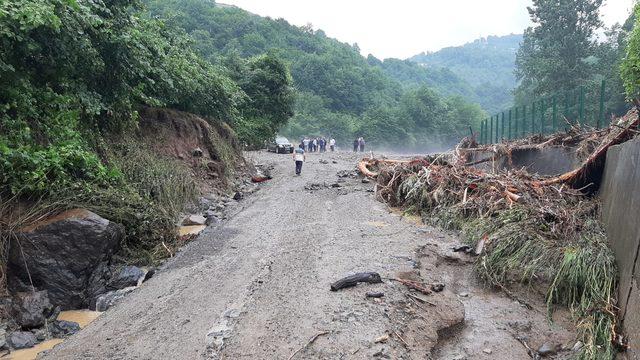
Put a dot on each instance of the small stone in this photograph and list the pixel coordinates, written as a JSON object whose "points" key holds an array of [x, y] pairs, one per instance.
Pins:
{"points": [[437, 287], [63, 328], [40, 334], [366, 181], [578, 346], [374, 294], [3, 338], [197, 152], [237, 196], [104, 302], [487, 351], [22, 339], [381, 339], [464, 294], [547, 349], [194, 220], [520, 325]]}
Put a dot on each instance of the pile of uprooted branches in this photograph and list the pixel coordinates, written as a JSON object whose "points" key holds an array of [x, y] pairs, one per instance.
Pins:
{"points": [[538, 230]]}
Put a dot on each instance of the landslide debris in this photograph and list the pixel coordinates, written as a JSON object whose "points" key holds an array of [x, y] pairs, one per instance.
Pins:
{"points": [[540, 230]]}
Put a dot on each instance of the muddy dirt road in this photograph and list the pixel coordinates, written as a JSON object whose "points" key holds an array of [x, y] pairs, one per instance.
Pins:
{"points": [[257, 286]]}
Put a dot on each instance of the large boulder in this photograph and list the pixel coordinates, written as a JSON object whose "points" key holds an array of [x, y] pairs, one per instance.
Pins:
{"points": [[32, 309], [61, 254]]}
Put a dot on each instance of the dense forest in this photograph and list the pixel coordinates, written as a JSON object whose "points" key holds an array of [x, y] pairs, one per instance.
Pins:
{"points": [[487, 66], [338, 91]]}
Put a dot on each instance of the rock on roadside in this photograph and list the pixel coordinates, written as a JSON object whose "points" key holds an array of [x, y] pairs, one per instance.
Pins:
{"points": [[194, 220], [32, 309], [105, 301], [61, 253], [22, 339], [127, 276]]}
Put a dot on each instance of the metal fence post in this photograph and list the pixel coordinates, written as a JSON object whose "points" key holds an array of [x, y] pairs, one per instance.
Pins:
{"points": [[542, 110], [491, 131], [601, 113], [533, 117], [515, 130], [554, 119], [509, 124], [524, 120], [502, 128], [582, 105], [497, 128]]}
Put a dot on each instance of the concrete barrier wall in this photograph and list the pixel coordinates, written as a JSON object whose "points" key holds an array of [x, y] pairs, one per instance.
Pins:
{"points": [[620, 193], [552, 160]]}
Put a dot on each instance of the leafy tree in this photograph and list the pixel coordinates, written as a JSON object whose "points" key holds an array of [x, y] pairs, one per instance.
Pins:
{"points": [[554, 53], [630, 67]]}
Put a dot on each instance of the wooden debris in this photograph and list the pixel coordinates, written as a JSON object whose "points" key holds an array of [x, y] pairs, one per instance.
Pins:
{"points": [[353, 280], [308, 343]]}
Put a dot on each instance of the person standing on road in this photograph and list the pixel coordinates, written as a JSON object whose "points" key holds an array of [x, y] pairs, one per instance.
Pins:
{"points": [[361, 143], [305, 142], [356, 143], [332, 144], [299, 158]]}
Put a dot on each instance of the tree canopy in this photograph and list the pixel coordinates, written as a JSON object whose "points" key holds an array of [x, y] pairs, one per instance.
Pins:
{"points": [[337, 90]]}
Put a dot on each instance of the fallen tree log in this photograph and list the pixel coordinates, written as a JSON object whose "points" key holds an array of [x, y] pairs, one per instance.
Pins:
{"points": [[362, 166], [353, 280], [576, 176]]}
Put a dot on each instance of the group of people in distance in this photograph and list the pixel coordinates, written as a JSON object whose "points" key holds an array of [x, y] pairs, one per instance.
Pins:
{"points": [[318, 144], [358, 144]]}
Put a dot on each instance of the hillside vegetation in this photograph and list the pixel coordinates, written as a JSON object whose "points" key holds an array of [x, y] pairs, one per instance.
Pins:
{"points": [[338, 91], [487, 65], [73, 77]]}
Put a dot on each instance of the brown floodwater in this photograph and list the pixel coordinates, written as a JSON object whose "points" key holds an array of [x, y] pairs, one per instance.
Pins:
{"points": [[82, 317]]}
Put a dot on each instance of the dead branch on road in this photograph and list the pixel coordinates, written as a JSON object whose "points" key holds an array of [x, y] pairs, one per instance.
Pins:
{"points": [[309, 343]]}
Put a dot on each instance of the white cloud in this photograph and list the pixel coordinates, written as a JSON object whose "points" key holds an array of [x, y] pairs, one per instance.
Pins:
{"points": [[403, 28]]}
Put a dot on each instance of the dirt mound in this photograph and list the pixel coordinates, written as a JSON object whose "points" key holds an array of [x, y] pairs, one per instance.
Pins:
{"points": [[209, 148]]}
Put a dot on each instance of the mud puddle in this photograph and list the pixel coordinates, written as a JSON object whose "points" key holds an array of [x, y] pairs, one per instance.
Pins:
{"points": [[495, 326], [82, 317]]}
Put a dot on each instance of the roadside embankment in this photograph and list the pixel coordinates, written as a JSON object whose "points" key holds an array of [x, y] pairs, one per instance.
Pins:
{"points": [[89, 244]]}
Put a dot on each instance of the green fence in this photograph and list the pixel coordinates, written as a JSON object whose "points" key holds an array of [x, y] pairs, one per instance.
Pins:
{"points": [[582, 106]]}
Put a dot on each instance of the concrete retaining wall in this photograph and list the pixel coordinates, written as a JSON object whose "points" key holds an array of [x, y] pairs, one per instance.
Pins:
{"points": [[620, 193], [548, 161]]}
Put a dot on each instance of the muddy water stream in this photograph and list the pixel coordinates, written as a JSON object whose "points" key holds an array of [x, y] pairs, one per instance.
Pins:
{"points": [[82, 317]]}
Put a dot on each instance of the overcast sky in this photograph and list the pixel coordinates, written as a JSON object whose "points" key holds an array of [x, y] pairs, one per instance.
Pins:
{"points": [[402, 28]]}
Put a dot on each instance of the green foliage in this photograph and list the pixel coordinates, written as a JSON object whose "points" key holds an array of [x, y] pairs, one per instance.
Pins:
{"points": [[561, 53], [70, 69], [630, 67], [338, 92], [266, 81], [147, 199], [481, 71]]}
